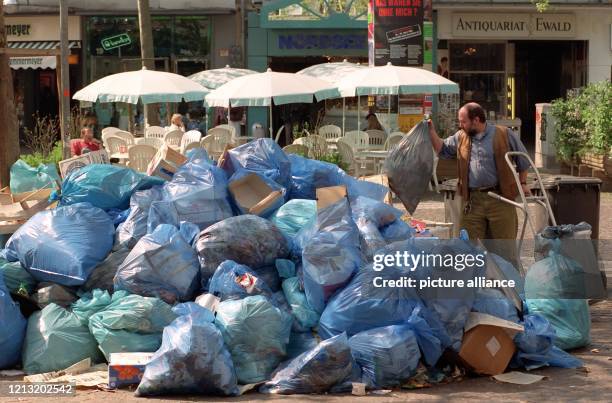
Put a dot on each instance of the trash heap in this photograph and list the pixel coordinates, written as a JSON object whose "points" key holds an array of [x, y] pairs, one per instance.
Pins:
{"points": [[257, 269]]}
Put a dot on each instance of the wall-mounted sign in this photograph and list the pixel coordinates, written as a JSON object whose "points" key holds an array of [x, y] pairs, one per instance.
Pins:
{"points": [[116, 41], [17, 30], [40, 27], [322, 41], [34, 62], [514, 25]]}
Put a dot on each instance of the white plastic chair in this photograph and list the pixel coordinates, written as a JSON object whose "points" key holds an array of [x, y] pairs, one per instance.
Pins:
{"points": [[173, 139], [191, 146], [434, 175], [330, 132], [298, 149], [140, 156], [107, 131], [347, 155], [357, 139], [155, 131], [126, 136], [215, 143], [393, 139], [116, 144], [229, 127], [279, 132], [317, 145], [376, 139], [150, 141], [192, 136]]}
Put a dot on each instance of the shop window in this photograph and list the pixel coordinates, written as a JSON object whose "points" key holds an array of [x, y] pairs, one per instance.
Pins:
{"points": [[480, 71]]}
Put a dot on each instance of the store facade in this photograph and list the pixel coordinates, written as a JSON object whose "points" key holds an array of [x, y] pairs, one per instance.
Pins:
{"points": [[508, 58], [35, 75]]}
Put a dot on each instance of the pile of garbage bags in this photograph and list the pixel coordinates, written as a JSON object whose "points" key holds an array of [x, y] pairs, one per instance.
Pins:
{"points": [[286, 299]]}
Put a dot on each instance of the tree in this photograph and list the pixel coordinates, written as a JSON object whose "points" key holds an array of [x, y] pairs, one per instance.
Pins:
{"points": [[146, 51], [9, 128]]}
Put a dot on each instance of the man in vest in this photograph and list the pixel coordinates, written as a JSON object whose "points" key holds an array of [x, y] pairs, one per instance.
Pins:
{"points": [[480, 148]]}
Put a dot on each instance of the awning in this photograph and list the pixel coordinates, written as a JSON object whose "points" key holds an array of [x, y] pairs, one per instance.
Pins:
{"points": [[33, 62], [42, 45]]}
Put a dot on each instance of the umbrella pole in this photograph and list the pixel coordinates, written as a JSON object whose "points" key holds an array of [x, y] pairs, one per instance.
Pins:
{"points": [[358, 113], [389, 113], [270, 125], [343, 118]]}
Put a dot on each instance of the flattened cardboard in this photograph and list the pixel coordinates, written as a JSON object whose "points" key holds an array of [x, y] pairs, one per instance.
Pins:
{"points": [[253, 195], [330, 195], [71, 164], [477, 318], [165, 163]]}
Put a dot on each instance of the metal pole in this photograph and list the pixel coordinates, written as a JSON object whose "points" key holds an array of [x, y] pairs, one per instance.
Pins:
{"points": [[343, 117], [358, 113], [271, 135], [65, 80], [389, 113]]}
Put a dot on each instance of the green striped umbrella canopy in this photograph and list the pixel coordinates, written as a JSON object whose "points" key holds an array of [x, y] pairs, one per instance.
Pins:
{"points": [[147, 86], [331, 72], [217, 77]]}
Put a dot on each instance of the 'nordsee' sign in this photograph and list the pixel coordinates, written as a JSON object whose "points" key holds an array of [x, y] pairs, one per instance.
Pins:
{"points": [[514, 25]]}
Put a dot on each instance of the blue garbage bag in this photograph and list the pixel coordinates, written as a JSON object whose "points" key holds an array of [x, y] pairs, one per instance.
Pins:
{"points": [[262, 156], [197, 193], [314, 371], [192, 359], [65, 244], [104, 186], [12, 331], [554, 287], [25, 178], [162, 264], [270, 276], [494, 302], [16, 278], [332, 255], [246, 239], [387, 355], [102, 277], [55, 340], [361, 306], [535, 346], [295, 215], [370, 216], [135, 225], [300, 342], [275, 187], [256, 333], [285, 268], [236, 281], [301, 310], [307, 175], [130, 323], [511, 273], [397, 231]]}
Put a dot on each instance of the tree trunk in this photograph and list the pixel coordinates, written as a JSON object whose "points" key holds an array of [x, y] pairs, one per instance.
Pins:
{"points": [[63, 68], [147, 54], [9, 127]]}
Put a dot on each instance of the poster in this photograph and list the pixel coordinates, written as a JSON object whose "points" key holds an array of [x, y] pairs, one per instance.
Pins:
{"points": [[395, 32]]}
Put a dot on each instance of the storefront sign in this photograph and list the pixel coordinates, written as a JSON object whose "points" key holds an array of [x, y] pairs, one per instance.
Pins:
{"points": [[40, 28], [36, 62], [514, 25], [322, 41], [116, 41], [395, 32], [17, 30]]}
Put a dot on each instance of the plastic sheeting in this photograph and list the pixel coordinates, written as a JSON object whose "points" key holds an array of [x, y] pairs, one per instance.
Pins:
{"points": [[25, 178], [12, 330], [162, 264], [332, 255], [246, 239], [65, 244], [55, 340], [301, 310], [315, 370], [370, 216], [261, 156], [494, 302], [387, 355], [197, 193], [235, 281], [300, 342], [130, 323], [192, 359], [535, 346], [104, 186], [295, 215], [549, 286], [256, 333], [90, 303], [409, 166], [135, 225], [307, 175]]}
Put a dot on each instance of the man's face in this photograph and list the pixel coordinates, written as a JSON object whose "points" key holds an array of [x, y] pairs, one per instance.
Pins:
{"points": [[87, 135], [466, 124]]}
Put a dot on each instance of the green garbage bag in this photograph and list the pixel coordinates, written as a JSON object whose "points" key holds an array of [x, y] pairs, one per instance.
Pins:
{"points": [[91, 303], [56, 339], [25, 178], [131, 323], [16, 278]]}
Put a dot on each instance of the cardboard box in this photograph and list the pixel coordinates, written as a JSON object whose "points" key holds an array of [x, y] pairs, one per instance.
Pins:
{"points": [[74, 163], [165, 163], [487, 344], [127, 368], [253, 195], [330, 195]]}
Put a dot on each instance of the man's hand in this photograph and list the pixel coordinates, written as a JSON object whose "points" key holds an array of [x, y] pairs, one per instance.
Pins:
{"points": [[526, 190]]}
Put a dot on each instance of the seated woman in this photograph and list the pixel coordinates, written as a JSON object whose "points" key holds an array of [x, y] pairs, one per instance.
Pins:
{"points": [[373, 123], [176, 123], [85, 144]]}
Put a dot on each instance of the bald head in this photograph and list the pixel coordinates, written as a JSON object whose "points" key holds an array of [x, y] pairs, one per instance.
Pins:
{"points": [[472, 118]]}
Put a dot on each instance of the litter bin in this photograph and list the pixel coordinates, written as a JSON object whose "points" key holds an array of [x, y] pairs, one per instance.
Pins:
{"points": [[574, 199]]}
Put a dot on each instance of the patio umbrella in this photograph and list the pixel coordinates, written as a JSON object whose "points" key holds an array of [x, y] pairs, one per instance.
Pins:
{"points": [[395, 80], [263, 89], [217, 77], [332, 73], [147, 86]]}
